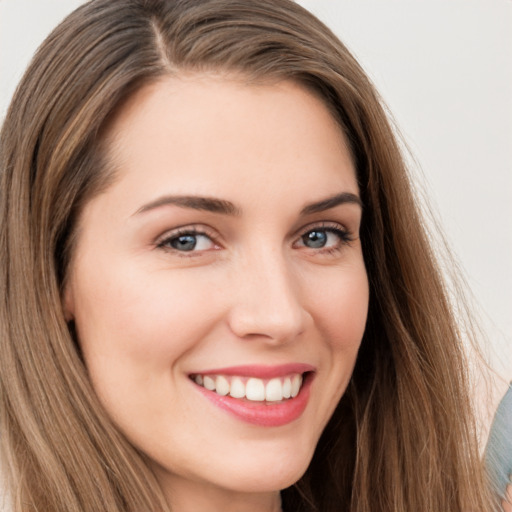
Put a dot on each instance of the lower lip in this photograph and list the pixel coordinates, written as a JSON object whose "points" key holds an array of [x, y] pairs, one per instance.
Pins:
{"points": [[263, 414]]}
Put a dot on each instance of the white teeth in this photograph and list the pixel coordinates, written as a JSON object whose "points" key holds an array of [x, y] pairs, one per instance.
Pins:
{"points": [[287, 388], [274, 390], [221, 385], [253, 389], [209, 383], [237, 388], [296, 384]]}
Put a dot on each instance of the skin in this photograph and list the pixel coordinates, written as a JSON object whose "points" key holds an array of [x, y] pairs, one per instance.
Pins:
{"points": [[507, 503], [253, 291]]}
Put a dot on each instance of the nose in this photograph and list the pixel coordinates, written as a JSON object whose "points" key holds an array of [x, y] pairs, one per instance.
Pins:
{"points": [[266, 300]]}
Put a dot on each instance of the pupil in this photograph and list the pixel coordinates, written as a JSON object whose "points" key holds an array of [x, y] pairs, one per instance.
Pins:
{"points": [[315, 239], [184, 242]]}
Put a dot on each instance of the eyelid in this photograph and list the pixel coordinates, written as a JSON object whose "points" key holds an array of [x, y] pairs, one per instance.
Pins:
{"points": [[187, 229], [324, 225], [345, 235]]}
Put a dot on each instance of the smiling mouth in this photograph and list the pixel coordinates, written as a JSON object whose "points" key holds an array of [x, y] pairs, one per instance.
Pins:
{"points": [[265, 396], [253, 389]]}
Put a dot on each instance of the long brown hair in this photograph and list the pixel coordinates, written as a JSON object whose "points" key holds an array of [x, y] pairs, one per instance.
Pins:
{"points": [[402, 438]]}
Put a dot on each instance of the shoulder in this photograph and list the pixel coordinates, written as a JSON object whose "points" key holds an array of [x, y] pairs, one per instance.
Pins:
{"points": [[498, 453]]}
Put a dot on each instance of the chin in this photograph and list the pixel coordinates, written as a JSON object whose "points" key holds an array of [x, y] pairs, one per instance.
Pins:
{"points": [[271, 471]]}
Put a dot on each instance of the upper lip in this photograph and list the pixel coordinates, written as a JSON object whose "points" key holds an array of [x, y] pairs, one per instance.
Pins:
{"points": [[260, 371]]}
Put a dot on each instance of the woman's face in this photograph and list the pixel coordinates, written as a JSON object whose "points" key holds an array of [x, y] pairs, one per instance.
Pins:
{"points": [[221, 270]]}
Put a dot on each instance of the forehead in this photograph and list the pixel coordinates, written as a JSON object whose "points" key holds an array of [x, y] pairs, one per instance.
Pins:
{"points": [[217, 133]]}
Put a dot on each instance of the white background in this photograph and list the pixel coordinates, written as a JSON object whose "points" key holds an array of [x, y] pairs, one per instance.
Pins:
{"points": [[444, 67]]}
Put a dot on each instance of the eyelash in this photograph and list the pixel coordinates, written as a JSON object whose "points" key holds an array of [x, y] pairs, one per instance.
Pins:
{"points": [[344, 236], [165, 242]]}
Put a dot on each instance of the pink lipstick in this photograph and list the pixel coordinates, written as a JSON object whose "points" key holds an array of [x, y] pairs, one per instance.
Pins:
{"points": [[267, 396]]}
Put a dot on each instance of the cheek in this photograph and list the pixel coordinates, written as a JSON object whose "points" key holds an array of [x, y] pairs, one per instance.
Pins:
{"points": [[143, 320], [135, 329], [341, 308]]}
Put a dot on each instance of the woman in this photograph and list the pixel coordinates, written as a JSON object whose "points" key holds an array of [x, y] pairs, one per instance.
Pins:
{"points": [[219, 292]]}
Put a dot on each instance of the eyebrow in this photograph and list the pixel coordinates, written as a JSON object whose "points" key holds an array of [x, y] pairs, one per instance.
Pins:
{"points": [[225, 207], [331, 202], [209, 204]]}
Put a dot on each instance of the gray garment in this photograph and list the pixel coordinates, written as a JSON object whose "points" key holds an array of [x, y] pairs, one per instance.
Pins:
{"points": [[498, 453]]}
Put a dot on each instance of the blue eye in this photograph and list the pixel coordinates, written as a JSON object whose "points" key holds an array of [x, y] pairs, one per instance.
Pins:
{"points": [[315, 239], [184, 242], [188, 242], [324, 238]]}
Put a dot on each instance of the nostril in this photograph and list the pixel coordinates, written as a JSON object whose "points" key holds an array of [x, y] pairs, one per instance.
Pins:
{"points": [[267, 322]]}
